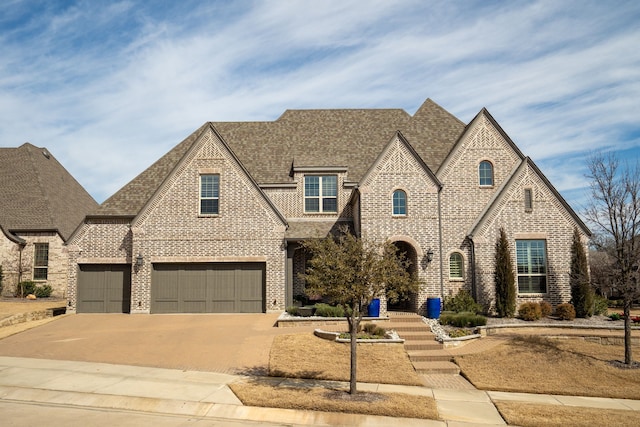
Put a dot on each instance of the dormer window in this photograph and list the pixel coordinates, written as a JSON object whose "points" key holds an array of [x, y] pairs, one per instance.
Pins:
{"points": [[485, 173], [320, 193], [399, 203]]}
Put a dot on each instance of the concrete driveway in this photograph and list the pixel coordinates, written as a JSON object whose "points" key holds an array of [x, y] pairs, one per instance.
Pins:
{"points": [[225, 343]]}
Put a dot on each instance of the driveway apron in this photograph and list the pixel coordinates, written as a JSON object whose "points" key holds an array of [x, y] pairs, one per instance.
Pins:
{"points": [[225, 343]]}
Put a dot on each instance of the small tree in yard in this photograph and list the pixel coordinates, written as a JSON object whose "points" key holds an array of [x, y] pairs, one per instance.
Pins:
{"points": [[614, 210], [505, 281], [352, 272], [582, 295]]}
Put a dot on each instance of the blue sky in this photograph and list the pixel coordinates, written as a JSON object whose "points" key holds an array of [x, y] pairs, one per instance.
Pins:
{"points": [[109, 87]]}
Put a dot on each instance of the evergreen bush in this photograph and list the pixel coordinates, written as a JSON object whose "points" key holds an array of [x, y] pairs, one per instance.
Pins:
{"points": [[43, 291], [600, 305], [463, 320], [462, 301], [504, 278], [581, 292], [25, 288]]}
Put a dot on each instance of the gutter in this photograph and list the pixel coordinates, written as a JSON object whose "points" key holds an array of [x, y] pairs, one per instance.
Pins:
{"points": [[474, 292], [440, 242]]}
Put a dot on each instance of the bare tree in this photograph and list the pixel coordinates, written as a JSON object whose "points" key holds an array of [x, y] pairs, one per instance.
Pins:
{"points": [[351, 271], [614, 211]]}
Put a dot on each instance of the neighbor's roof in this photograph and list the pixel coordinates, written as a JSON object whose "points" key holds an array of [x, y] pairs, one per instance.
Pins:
{"points": [[298, 138], [37, 192]]}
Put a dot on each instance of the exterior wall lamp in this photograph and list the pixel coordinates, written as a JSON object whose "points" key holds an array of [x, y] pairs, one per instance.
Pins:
{"points": [[429, 255], [139, 260]]}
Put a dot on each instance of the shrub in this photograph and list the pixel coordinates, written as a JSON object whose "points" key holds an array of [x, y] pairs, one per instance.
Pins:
{"points": [[601, 305], [326, 310], [504, 278], [546, 309], [462, 301], [1, 277], [565, 312], [615, 316], [530, 311], [25, 288], [43, 291], [373, 329], [581, 292], [293, 310], [463, 320]]}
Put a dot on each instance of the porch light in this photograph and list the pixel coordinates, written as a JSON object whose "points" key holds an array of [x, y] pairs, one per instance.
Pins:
{"points": [[429, 255], [139, 260]]}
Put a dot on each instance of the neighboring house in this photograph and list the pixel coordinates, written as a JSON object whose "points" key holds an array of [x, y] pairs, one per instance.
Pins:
{"points": [[41, 205], [216, 224]]}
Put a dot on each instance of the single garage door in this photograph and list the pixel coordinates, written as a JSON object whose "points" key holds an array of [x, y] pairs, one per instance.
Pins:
{"points": [[104, 288], [208, 288]]}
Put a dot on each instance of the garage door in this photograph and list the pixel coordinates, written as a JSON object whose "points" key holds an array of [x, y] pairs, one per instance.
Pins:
{"points": [[208, 288], [104, 288]]}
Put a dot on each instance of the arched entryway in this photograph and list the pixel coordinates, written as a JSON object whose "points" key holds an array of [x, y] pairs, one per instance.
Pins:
{"points": [[407, 301]]}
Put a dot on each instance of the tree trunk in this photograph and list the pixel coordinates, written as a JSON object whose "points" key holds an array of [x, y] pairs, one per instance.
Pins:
{"points": [[354, 322], [628, 355]]}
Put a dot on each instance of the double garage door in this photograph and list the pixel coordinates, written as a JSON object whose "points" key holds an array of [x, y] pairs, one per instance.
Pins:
{"points": [[208, 288], [175, 288]]}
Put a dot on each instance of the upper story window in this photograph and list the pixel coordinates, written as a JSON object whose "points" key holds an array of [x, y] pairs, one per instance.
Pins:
{"points": [[209, 194], [531, 257], [320, 193], [41, 261], [455, 266], [399, 203], [485, 173]]}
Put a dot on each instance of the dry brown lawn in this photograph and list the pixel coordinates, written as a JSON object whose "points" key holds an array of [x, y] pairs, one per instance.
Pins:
{"points": [[551, 366], [11, 306], [307, 356], [535, 415], [255, 393]]}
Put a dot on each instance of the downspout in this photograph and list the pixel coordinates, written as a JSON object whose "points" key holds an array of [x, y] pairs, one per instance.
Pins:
{"points": [[440, 243], [474, 292]]}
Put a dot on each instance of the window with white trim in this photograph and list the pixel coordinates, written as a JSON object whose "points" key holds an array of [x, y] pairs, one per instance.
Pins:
{"points": [[456, 266], [41, 261], [209, 194], [531, 257], [485, 173], [320, 193], [399, 203]]}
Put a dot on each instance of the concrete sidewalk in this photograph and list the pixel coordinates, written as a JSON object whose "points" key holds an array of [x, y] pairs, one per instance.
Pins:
{"points": [[206, 395]]}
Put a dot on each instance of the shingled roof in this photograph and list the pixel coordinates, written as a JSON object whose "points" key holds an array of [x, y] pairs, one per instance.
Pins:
{"points": [[329, 138], [38, 193]]}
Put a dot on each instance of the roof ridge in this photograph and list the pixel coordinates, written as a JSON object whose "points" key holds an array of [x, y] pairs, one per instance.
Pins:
{"points": [[38, 173]]}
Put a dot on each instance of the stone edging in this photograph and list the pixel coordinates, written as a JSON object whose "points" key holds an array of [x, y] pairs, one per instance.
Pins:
{"points": [[27, 317], [334, 336]]}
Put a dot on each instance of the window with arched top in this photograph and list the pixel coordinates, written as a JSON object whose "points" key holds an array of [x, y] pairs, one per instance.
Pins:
{"points": [[456, 266], [485, 173], [399, 203]]}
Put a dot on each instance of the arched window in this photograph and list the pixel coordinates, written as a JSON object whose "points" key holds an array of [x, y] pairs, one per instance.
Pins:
{"points": [[456, 266], [485, 173], [399, 202]]}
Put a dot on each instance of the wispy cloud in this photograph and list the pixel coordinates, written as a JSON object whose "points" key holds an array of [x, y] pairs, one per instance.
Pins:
{"points": [[109, 88]]}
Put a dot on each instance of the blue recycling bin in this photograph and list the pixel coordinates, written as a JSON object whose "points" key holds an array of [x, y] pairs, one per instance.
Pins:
{"points": [[433, 308], [374, 308]]}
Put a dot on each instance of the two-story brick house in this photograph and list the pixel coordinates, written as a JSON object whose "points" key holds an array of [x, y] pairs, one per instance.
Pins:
{"points": [[40, 206], [215, 224]]}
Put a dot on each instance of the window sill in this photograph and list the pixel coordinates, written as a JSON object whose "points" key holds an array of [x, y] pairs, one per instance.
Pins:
{"points": [[532, 294], [208, 215], [456, 279], [398, 216]]}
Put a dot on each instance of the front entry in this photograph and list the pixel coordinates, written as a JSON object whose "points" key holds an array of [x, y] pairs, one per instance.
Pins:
{"points": [[407, 302]]}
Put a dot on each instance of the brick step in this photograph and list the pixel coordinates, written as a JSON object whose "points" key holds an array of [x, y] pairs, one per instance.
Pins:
{"points": [[429, 356], [417, 336], [410, 346], [405, 319], [439, 367], [407, 327]]}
